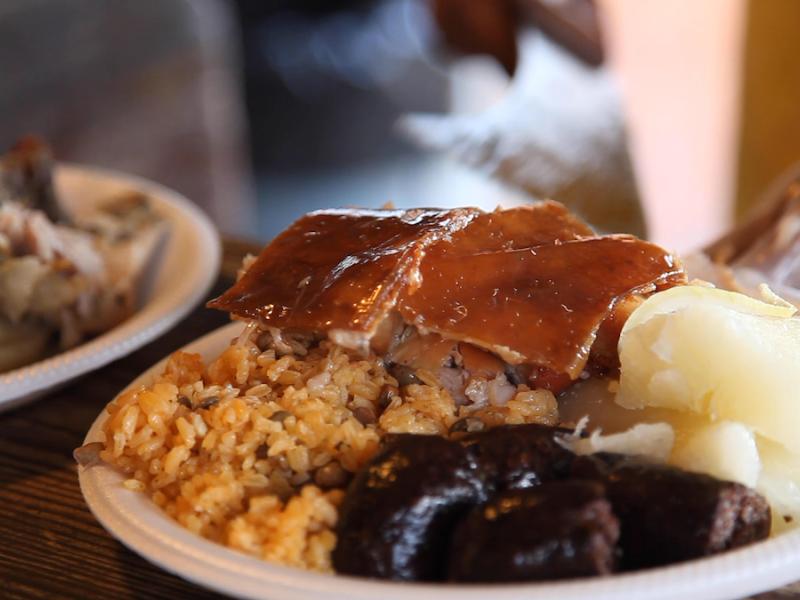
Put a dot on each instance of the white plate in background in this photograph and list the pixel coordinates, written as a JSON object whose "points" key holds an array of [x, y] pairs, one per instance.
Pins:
{"points": [[137, 522], [179, 277]]}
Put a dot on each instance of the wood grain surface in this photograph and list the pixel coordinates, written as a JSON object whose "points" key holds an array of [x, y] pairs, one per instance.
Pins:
{"points": [[50, 544]]}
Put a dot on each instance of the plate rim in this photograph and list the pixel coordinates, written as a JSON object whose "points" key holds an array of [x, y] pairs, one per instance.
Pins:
{"points": [[133, 519], [23, 384]]}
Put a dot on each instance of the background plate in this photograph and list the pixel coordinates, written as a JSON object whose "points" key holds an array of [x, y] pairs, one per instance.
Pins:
{"points": [[137, 522], [178, 277]]}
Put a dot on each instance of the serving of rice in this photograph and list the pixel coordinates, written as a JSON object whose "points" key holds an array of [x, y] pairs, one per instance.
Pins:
{"points": [[255, 450]]}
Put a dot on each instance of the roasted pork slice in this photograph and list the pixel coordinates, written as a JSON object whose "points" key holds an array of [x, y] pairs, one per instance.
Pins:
{"points": [[514, 229], [339, 271], [343, 270], [453, 363], [604, 355], [540, 305], [530, 285]]}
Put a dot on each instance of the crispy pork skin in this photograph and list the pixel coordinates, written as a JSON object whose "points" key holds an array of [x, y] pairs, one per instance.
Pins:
{"points": [[339, 271], [540, 305], [532, 285]]}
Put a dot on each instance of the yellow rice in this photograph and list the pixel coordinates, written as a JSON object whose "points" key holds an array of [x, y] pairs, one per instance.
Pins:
{"points": [[231, 449]]}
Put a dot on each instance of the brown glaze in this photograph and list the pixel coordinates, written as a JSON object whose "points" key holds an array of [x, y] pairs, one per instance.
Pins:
{"points": [[539, 305], [338, 269], [530, 284], [515, 228], [604, 356]]}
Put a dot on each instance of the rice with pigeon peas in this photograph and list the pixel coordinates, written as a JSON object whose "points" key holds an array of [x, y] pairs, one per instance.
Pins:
{"points": [[255, 449]]}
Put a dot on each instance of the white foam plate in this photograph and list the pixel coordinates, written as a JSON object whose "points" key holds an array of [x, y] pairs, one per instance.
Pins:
{"points": [[138, 523], [178, 277]]}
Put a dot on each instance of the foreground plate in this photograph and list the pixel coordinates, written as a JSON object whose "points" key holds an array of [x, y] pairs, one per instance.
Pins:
{"points": [[133, 519], [179, 277]]}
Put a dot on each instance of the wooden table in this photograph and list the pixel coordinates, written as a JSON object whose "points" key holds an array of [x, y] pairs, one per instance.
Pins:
{"points": [[50, 544]]}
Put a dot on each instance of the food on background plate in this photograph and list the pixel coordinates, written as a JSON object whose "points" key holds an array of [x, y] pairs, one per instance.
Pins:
{"points": [[411, 386], [64, 277]]}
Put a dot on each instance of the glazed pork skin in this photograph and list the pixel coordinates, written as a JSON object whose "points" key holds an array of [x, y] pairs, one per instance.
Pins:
{"points": [[531, 285], [540, 305], [341, 272]]}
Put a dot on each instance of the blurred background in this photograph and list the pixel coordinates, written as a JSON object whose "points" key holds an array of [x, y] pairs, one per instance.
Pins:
{"points": [[665, 118]]}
